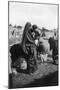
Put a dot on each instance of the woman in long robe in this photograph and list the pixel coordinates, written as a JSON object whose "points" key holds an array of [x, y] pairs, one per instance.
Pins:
{"points": [[29, 47]]}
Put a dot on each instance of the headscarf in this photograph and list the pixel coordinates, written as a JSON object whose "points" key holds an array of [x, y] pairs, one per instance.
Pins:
{"points": [[26, 28]]}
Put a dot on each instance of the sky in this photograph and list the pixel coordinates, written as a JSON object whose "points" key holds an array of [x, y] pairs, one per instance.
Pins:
{"points": [[44, 15]]}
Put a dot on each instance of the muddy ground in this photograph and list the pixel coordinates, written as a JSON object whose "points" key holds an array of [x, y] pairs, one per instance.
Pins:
{"points": [[44, 76]]}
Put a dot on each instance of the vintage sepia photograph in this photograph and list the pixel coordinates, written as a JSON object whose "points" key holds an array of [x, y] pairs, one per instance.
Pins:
{"points": [[33, 35]]}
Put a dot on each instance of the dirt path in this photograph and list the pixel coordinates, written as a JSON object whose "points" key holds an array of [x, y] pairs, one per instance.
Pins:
{"points": [[23, 79]]}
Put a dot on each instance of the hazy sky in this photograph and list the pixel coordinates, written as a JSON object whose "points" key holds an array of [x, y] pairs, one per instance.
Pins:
{"points": [[43, 15]]}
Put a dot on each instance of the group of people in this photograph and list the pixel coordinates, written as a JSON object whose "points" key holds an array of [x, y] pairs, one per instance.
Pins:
{"points": [[30, 38], [27, 50]]}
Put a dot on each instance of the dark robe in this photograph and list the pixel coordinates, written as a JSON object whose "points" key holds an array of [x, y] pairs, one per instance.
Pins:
{"points": [[29, 47], [54, 48]]}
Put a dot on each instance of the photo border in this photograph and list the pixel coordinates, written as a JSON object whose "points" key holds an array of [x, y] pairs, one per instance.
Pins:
{"points": [[57, 27]]}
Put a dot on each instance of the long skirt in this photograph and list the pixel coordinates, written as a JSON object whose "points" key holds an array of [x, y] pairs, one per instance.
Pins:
{"points": [[32, 61]]}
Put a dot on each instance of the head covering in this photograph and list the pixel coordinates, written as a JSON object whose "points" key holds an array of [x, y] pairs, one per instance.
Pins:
{"points": [[26, 28], [34, 27]]}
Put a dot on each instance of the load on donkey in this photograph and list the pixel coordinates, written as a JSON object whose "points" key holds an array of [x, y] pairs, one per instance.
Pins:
{"points": [[26, 50]]}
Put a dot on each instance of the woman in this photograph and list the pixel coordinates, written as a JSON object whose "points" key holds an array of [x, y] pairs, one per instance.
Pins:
{"points": [[29, 47], [27, 37]]}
